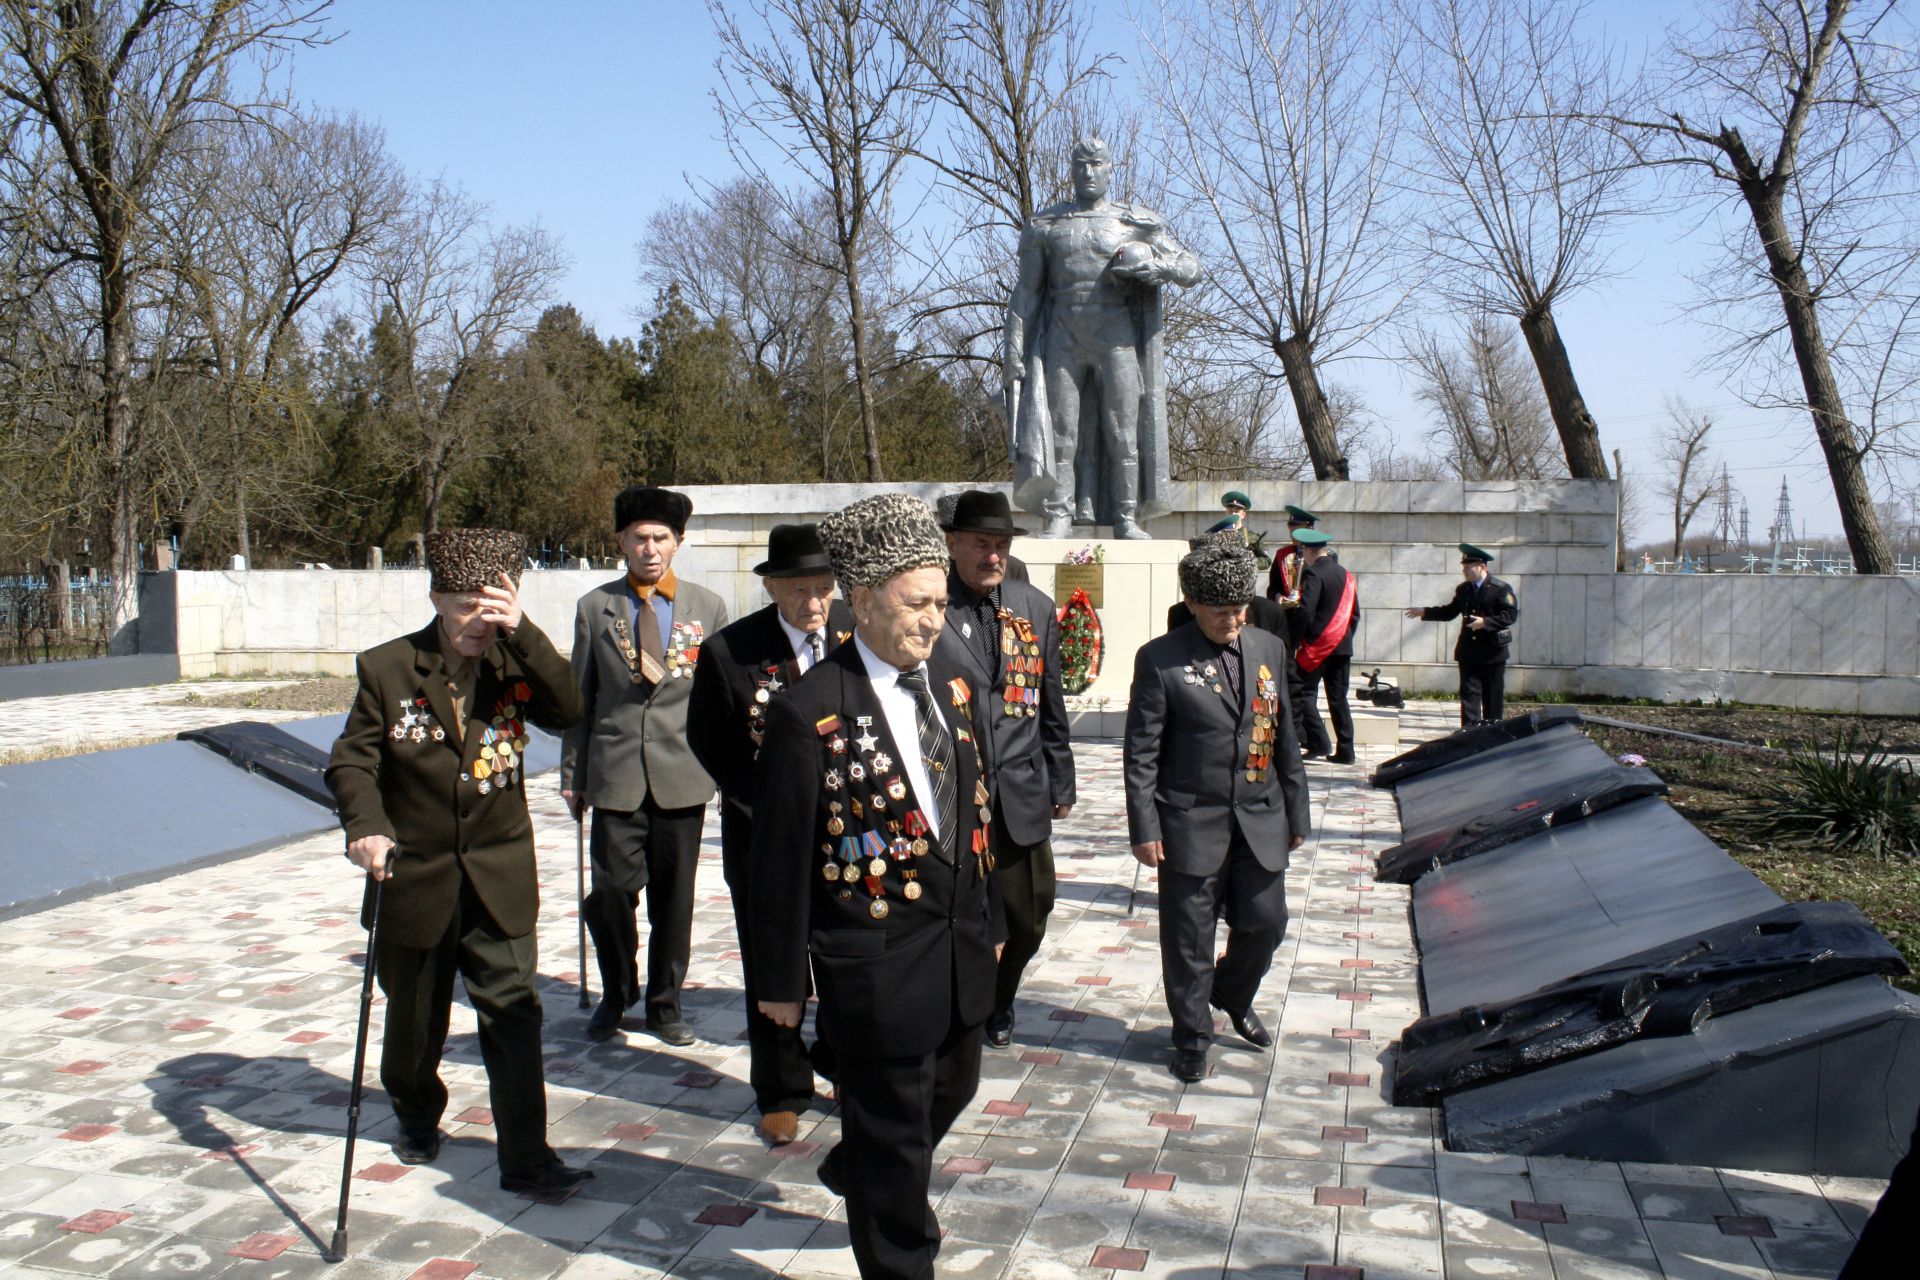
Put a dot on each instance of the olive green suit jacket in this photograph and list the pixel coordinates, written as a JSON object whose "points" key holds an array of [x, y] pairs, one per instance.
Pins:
{"points": [[454, 804]]}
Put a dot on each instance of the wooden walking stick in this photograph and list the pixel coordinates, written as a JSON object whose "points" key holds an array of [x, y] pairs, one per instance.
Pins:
{"points": [[338, 1249]]}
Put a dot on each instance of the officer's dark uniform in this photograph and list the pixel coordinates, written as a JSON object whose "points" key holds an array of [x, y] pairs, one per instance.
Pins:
{"points": [[463, 894], [1482, 654], [1322, 585]]}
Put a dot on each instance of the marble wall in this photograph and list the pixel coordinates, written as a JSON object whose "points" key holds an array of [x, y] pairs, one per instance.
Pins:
{"points": [[1831, 643]]}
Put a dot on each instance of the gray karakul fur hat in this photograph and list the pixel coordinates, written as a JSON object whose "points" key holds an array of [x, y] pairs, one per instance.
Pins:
{"points": [[1230, 537], [880, 537], [469, 559], [1218, 573]]}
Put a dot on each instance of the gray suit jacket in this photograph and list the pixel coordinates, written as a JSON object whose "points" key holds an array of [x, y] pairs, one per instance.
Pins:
{"points": [[1186, 755], [1029, 758], [632, 742]]}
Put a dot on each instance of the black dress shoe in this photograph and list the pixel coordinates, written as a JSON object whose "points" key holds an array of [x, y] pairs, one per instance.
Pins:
{"points": [[1342, 757], [1190, 1065], [555, 1177], [1000, 1028], [829, 1173], [1251, 1029], [417, 1146], [676, 1033], [605, 1022]]}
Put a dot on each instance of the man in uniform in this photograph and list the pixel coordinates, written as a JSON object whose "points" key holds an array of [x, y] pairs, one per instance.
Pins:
{"points": [[1216, 799], [1006, 636], [871, 861], [1322, 627], [1283, 579], [1490, 610], [428, 774], [635, 643], [741, 671]]}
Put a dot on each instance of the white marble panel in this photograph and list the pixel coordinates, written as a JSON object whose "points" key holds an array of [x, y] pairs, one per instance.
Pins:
{"points": [[1386, 591], [1890, 695], [1481, 496], [1598, 589], [1423, 559], [1855, 642], [1380, 496], [1629, 602], [1492, 531], [1363, 526], [1685, 613], [1903, 626], [1656, 620], [1716, 623], [1599, 531], [1571, 559], [1806, 623], [1514, 562], [1434, 529], [1533, 634], [1569, 622], [1436, 495]]}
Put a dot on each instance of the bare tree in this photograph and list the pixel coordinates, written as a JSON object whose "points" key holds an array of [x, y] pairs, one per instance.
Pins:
{"points": [[1686, 478], [1490, 422], [1801, 109], [450, 290], [1518, 190], [105, 93], [1278, 124], [834, 97]]}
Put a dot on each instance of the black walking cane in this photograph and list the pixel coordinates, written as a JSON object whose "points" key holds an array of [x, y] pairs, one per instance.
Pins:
{"points": [[580, 897], [1133, 895], [339, 1246]]}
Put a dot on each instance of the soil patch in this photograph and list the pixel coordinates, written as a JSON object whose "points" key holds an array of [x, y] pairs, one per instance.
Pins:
{"points": [[321, 697]]}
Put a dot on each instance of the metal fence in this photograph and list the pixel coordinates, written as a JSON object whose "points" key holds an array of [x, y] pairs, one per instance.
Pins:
{"points": [[1803, 560], [39, 622]]}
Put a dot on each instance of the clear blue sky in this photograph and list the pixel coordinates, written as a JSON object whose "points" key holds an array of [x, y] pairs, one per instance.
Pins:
{"points": [[586, 115]]}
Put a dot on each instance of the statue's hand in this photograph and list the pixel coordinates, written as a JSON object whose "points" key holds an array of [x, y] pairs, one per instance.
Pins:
{"points": [[1148, 271]]}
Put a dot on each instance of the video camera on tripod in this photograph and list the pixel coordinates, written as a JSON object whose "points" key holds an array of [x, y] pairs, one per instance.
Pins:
{"points": [[1380, 693]]}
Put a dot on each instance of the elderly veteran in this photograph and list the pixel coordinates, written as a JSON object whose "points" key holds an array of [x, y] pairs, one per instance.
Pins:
{"points": [[1006, 636], [1261, 613], [1490, 609], [872, 867], [636, 641], [1216, 799], [741, 671], [429, 777]]}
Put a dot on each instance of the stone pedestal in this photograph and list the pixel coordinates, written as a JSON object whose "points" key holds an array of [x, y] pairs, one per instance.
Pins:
{"points": [[1375, 726]]}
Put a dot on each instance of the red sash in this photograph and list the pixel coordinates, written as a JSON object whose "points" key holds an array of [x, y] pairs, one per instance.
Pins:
{"points": [[1317, 650]]}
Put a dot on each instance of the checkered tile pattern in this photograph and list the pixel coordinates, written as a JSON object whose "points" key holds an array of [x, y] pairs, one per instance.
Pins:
{"points": [[174, 1070]]}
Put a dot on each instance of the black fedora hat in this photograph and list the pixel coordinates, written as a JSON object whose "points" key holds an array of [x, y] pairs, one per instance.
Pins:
{"points": [[983, 511], [794, 551]]}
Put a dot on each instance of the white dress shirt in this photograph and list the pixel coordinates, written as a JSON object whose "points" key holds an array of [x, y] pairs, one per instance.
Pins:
{"points": [[802, 651], [903, 722]]}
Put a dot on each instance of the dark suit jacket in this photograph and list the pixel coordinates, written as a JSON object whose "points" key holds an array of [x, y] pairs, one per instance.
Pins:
{"points": [[632, 741], [1321, 584], [747, 656], [425, 794], [1186, 754], [1493, 600], [891, 987], [1029, 758], [1264, 614]]}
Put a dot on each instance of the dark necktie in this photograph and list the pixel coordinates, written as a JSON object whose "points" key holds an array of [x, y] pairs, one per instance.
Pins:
{"points": [[938, 754], [989, 632], [813, 643], [647, 623]]}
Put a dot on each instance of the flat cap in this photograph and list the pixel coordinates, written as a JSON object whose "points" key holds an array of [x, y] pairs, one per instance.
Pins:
{"points": [[654, 505], [1470, 552], [1218, 573], [882, 537], [469, 559]]}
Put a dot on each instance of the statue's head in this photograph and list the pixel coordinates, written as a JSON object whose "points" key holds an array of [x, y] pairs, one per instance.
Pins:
{"points": [[1092, 163]]}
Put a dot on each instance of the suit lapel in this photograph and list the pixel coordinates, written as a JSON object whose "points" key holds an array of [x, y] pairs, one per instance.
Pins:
{"points": [[619, 624], [430, 669]]}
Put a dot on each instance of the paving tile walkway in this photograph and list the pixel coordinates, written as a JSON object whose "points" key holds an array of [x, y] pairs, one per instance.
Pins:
{"points": [[175, 1060], [72, 723]]}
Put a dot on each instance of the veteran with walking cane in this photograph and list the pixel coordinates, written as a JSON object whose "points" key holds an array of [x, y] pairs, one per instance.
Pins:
{"points": [[429, 775], [871, 872], [740, 673], [1006, 636]]}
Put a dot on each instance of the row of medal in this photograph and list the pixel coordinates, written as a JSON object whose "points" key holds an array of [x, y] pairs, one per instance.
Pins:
{"points": [[1022, 665], [503, 743], [765, 685], [1266, 706], [416, 723]]}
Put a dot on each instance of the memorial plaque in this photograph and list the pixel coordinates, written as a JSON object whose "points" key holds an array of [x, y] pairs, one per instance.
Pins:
{"points": [[1087, 577]]}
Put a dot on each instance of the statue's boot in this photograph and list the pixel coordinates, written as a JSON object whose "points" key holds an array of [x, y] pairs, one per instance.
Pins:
{"points": [[1124, 525], [1059, 522], [1083, 513]]}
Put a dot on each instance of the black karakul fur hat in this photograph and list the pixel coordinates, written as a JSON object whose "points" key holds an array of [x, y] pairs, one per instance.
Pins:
{"points": [[659, 506], [1218, 573], [470, 559]]}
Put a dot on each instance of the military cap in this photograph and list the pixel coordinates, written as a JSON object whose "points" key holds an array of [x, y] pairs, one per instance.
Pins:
{"points": [[881, 537], [1470, 552], [1312, 537], [1223, 526], [1300, 515], [470, 559], [794, 551], [1217, 573], [654, 505], [1234, 497]]}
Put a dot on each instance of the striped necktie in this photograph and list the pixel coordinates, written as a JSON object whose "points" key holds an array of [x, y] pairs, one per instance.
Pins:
{"points": [[938, 754]]}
